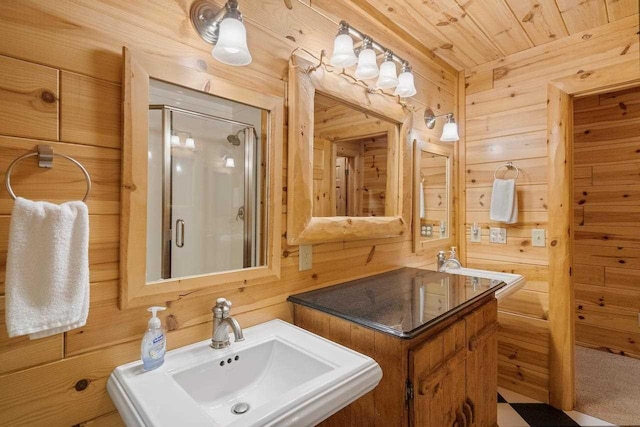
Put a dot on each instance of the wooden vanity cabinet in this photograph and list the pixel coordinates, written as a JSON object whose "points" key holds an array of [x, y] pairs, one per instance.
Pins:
{"points": [[446, 376], [454, 373]]}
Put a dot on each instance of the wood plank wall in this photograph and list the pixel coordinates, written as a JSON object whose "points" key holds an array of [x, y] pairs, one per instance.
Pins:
{"points": [[506, 120], [606, 189], [61, 69]]}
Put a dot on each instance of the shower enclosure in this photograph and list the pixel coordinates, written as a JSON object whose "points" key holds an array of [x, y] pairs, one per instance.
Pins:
{"points": [[203, 206]]}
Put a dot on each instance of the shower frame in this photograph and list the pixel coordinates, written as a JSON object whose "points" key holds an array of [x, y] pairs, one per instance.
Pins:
{"points": [[251, 196]]}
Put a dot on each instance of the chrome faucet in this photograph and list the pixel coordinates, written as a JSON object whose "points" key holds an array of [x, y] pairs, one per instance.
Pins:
{"points": [[444, 262], [221, 323]]}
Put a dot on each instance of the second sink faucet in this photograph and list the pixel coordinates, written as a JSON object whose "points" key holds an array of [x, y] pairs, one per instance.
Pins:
{"points": [[443, 262], [221, 323]]}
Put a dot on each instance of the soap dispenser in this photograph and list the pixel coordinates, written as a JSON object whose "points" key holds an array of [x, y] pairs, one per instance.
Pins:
{"points": [[154, 342]]}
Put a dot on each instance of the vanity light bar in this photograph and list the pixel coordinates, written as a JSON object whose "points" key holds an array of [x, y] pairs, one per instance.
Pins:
{"points": [[345, 27]]}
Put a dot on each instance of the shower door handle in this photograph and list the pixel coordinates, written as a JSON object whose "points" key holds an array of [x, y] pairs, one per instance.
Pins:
{"points": [[180, 233]]}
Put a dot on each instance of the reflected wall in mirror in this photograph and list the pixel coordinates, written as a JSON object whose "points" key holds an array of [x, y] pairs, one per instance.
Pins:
{"points": [[433, 196], [201, 183], [350, 160], [433, 186], [205, 196], [349, 163]]}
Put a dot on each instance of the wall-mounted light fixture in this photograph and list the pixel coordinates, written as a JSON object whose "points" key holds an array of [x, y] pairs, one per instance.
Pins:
{"points": [[223, 28], [450, 130], [229, 162], [345, 56]]}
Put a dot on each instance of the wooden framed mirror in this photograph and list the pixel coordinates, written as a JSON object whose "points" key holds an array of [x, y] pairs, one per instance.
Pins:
{"points": [[348, 161], [201, 183], [433, 187]]}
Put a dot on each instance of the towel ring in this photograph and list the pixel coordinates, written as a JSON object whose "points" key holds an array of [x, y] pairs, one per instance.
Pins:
{"points": [[45, 160], [509, 166]]}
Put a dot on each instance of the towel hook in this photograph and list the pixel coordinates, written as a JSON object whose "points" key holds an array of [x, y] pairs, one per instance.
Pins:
{"points": [[45, 160], [509, 166]]}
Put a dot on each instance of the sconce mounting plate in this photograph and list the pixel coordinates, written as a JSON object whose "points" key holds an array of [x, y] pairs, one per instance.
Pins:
{"points": [[429, 118], [205, 17]]}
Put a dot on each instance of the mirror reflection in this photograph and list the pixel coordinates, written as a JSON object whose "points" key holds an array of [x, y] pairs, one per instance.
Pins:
{"points": [[433, 196], [205, 195], [350, 160]]}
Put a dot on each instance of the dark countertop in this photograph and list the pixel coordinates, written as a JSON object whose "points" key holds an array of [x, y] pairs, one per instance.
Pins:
{"points": [[403, 302]]}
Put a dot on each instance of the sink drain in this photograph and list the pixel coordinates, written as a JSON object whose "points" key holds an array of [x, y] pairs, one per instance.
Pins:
{"points": [[240, 408]]}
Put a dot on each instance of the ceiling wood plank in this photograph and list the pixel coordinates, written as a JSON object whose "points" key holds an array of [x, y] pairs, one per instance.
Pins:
{"points": [[498, 22], [402, 14], [580, 15], [619, 9], [541, 19], [456, 25]]}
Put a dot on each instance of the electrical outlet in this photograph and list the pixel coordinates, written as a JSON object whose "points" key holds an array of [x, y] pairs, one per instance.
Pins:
{"points": [[305, 257], [497, 235], [476, 233], [537, 237]]}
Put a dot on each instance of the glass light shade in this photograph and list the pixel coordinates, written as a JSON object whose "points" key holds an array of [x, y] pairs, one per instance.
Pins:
{"points": [[229, 162], [406, 87], [343, 54], [388, 76], [450, 132], [190, 143], [175, 140], [367, 65], [231, 48]]}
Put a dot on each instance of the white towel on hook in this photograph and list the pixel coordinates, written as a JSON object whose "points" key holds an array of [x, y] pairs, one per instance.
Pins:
{"points": [[47, 279], [504, 201], [422, 211]]}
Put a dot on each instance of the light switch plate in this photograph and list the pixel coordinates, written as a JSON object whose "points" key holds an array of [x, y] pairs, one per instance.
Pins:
{"points": [[476, 233], [497, 235], [305, 257], [538, 237]]}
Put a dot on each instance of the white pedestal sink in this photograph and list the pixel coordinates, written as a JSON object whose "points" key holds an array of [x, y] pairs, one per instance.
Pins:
{"points": [[514, 281], [280, 375]]}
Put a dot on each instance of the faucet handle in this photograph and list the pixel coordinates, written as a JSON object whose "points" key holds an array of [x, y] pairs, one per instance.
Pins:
{"points": [[223, 302], [222, 308]]}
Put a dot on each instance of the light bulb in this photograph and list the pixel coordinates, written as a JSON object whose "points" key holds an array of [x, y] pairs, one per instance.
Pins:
{"points": [[190, 142], [388, 77], [229, 162], [231, 48], [406, 87], [367, 66], [450, 131], [175, 139], [343, 54]]}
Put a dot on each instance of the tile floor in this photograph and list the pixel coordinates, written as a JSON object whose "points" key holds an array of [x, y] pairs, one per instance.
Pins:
{"points": [[516, 410]]}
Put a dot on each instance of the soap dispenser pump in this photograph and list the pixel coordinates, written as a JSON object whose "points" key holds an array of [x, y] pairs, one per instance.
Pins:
{"points": [[154, 342]]}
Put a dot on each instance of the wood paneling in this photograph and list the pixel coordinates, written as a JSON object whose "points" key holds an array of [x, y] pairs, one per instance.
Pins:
{"points": [[80, 50], [90, 111], [28, 99], [466, 33], [607, 236], [507, 121]]}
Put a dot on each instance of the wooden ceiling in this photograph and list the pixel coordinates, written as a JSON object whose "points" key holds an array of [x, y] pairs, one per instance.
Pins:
{"points": [[466, 33]]}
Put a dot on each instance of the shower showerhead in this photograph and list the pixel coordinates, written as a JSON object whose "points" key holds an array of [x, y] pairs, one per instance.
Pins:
{"points": [[234, 139]]}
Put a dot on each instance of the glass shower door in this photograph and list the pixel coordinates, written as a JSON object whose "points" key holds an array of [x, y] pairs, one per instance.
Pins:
{"points": [[209, 198]]}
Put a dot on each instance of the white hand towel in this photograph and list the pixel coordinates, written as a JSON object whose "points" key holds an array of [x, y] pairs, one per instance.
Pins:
{"points": [[422, 212], [47, 280], [504, 201]]}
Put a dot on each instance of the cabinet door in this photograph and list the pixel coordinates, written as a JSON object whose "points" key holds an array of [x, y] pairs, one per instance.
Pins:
{"points": [[437, 371], [482, 366]]}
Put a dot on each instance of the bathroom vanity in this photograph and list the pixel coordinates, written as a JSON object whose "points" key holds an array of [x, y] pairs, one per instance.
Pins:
{"points": [[433, 334]]}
